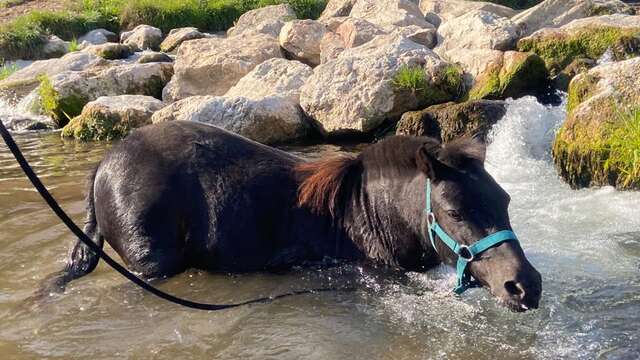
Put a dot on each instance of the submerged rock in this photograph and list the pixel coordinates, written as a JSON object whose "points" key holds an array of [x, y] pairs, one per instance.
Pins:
{"points": [[450, 121], [265, 20], [212, 66], [178, 36], [371, 83], [301, 40], [555, 13], [64, 95], [598, 143], [112, 117], [142, 37], [268, 120], [585, 38]]}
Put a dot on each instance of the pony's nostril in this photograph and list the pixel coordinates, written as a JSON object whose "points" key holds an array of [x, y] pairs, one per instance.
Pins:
{"points": [[514, 289]]}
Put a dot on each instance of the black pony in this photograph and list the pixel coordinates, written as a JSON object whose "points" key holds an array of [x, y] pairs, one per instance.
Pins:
{"points": [[183, 194]]}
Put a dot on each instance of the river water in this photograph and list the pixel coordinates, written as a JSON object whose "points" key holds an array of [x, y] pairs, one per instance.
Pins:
{"points": [[585, 243]]}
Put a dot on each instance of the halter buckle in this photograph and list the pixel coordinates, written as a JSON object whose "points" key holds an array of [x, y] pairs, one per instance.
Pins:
{"points": [[465, 253]]}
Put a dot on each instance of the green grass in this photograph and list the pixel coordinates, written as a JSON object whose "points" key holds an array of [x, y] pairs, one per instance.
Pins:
{"points": [[73, 45], [6, 70], [623, 147], [446, 86], [25, 36]]}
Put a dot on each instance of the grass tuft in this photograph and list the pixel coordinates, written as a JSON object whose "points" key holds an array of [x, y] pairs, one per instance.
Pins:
{"points": [[7, 69], [623, 148]]}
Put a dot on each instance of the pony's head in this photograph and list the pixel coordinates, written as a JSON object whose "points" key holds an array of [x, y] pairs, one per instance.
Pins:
{"points": [[379, 198]]}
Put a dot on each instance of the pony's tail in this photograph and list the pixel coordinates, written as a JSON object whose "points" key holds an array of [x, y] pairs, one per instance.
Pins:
{"points": [[81, 260]]}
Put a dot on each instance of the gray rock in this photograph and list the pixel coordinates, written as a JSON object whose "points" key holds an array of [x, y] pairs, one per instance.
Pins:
{"points": [[301, 40], [266, 20], [178, 36], [142, 37]]}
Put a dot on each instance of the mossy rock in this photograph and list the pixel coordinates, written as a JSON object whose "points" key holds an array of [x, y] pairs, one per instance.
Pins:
{"points": [[516, 75], [112, 117], [449, 121], [579, 65], [599, 143], [559, 48], [411, 83], [111, 51]]}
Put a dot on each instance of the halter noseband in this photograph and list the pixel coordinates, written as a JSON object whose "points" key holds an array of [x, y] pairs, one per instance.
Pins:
{"points": [[466, 254]]}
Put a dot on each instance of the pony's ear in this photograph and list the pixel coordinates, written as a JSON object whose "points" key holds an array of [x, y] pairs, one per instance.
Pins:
{"points": [[428, 163], [464, 151], [474, 148]]}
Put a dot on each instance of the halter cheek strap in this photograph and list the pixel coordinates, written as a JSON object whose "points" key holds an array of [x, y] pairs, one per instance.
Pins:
{"points": [[466, 254]]}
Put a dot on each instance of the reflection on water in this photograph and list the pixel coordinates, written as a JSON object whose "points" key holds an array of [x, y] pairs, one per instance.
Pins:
{"points": [[585, 243]]}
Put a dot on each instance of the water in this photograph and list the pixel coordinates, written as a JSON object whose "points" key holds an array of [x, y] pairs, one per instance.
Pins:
{"points": [[585, 243]]}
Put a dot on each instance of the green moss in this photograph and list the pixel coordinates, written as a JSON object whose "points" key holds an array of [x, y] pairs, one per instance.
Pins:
{"points": [[95, 127], [559, 51], [447, 85], [580, 90], [60, 109]]}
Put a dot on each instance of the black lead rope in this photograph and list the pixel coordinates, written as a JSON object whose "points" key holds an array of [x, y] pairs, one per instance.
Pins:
{"points": [[28, 171]]}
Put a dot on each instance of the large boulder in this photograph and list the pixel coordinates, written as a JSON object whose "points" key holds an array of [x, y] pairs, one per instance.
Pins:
{"points": [[269, 120], [598, 143], [112, 117], [478, 29], [178, 36], [555, 13], [266, 20], [274, 77], [586, 38], [355, 32], [152, 56], [54, 47], [441, 11], [212, 66], [386, 13], [301, 40], [25, 80], [450, 121], [510, 74], [337, 8], [64, 95], [97, 37], [142, 37], [374, 82]]}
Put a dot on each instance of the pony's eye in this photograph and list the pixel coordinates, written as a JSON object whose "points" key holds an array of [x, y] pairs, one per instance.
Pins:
{"points": [[454, 215]]}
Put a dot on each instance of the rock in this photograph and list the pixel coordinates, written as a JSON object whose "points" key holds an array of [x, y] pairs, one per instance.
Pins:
{"points": [[355, 32], [337, 8], [555, 13], [25, 80], [450, 121], [151, 57], [387, 13], [212, 66], [422, 36], [585, 38], [274, 77], [597, 144], [579, 65], [54, 47], [266, 20], [441, 11], [301, 40], [371, 83], [112, 117], [18, 123], [64, 95], [110, 51], [98, 37], [512, 75], [331, 46], [178, 36], [142, 37], [478, 29], [269, 120]]}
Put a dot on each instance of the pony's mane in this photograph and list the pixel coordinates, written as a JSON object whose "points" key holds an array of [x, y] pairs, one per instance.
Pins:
{"points": [[326, 185]]}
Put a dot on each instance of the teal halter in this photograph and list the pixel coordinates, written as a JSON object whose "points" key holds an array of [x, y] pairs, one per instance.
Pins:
{"points": [[466, 254]]}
